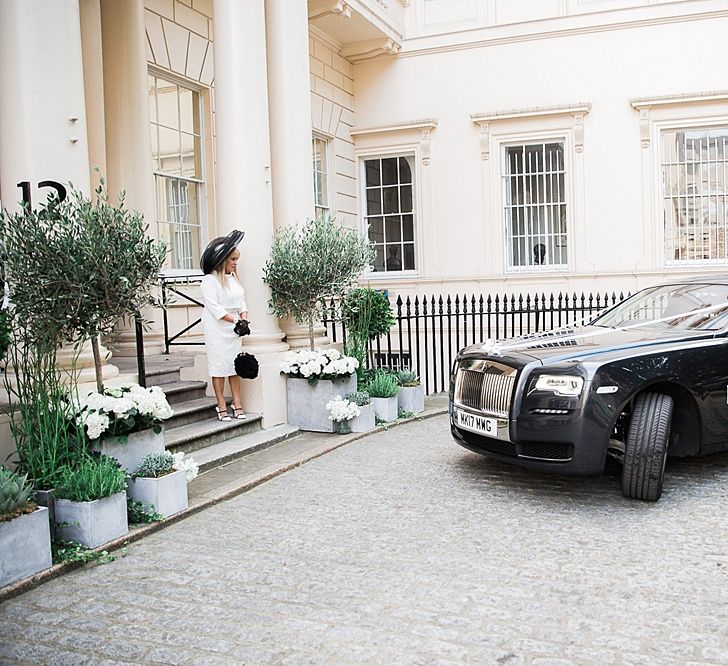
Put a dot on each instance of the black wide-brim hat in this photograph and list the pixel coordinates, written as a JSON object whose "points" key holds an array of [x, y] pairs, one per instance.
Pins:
{"points": [[218, 249]]}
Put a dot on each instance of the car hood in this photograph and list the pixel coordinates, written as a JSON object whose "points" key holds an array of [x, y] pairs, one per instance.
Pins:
{"points": [[577, 343]]}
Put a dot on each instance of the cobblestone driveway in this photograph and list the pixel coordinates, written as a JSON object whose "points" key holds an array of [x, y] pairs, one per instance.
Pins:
{"points": [[403, 548]]}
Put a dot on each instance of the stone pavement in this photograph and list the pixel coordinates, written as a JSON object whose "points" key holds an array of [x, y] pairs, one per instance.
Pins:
{"points": [[403, 548]]}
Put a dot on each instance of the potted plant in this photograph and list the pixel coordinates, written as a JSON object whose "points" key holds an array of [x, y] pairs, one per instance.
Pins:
{"points": [[91, 502], [365, 421], [160, 482], [125, 422], [341, 412], [25, 540], [383, 389], [411, 396], [310, 263], [314, 378]]}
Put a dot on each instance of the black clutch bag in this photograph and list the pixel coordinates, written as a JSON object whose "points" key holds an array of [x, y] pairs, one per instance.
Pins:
{"points": [[246, 365], [242, 327]]}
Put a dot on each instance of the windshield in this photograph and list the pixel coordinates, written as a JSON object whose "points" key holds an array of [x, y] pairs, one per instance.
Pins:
{"points": [[695, 307]]}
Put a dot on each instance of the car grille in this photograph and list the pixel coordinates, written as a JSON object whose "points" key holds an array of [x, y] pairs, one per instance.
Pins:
{"points": [[546, 450], [487, 388], [489, 445]]}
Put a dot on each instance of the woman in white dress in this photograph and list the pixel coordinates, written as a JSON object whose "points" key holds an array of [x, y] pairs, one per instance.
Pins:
{"points": [[224, 299]]}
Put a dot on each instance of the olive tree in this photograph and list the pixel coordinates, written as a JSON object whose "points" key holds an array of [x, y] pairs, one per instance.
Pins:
{"points": [[76, 267], [311, 262]]}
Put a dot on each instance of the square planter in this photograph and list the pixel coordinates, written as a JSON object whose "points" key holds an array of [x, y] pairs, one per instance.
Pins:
{"points": [[412, 399], [167, 494], [385, 408], [130, 449], [47, 499], [92, 523], [365, 421], [25, 546], [307, 402]]}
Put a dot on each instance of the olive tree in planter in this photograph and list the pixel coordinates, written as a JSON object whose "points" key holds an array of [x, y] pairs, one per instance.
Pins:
{"points": [[25, 541], [313, 262]]}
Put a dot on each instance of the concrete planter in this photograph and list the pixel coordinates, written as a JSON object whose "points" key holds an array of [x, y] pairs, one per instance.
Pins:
{"points": [[130, 449], [47, 499], [385, 408], [412, 399], [167, 494], [25, 546], [307, 402], [365, 421], [92, 523]]}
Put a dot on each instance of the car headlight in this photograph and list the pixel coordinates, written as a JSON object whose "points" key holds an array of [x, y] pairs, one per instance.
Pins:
{"points": [[567, 385]]}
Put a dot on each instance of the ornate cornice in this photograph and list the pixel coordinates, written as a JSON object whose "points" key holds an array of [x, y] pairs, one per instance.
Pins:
{"points": [[370, 49], [425, 128]]}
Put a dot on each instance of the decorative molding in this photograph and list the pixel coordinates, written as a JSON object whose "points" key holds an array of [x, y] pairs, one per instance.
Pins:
{"points": [[685, 98], [321, 8], [577, 111], [425, 128], [578, 108], [645, 126], [404, 3], [325, 38], [370, 49]]}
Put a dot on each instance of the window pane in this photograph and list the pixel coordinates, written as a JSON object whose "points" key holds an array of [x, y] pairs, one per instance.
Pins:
{"points": [[374, 201], [408, 227], [187, 110], [379, 257], [405, 170], [389, 171], [393, 229], [376, 230], [394, 258], [169, 151], [391, 199], [152, 90], [167, 104], [405, 198], [373, 175], [409, 257]]}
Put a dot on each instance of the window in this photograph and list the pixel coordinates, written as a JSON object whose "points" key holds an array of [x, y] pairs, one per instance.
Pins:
{"points": [[694, 165], [320, 176], [390, 212], [176, 133], [535, 206]]}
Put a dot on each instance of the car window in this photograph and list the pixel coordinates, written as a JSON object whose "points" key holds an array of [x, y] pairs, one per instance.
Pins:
{"points": [[696, 307]]}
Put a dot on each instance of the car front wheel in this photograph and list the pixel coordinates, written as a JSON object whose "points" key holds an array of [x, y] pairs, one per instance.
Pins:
{"points": [[645, 449]]}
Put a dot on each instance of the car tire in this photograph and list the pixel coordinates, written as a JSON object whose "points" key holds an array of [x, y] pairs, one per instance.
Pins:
{"points": [[645, 450]]}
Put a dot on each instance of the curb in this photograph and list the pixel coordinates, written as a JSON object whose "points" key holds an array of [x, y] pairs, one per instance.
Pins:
{"points": [[137, 533]]}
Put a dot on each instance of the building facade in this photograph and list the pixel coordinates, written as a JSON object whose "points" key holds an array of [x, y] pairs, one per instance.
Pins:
{"points": [[484, 146]]}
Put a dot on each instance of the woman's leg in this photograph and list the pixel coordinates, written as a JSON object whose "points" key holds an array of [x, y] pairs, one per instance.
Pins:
{"points": [[218, 385], [234, 381]]}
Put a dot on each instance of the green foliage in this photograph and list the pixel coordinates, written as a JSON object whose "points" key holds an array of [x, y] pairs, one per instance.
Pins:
{"points": [[404, 414], [5, 331], [45, 438], [154, 465], [76, 267], [383, 384], [408, 378], [70, 552], [91, 479], [360, 398], [15, 492], [309, 263], [138, 513], [367, 310]]}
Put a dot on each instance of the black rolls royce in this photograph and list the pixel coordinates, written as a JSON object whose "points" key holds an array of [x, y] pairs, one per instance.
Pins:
{"points": [[644, 379]]}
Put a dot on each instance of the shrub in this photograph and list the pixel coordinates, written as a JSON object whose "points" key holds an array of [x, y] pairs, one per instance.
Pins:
{"points": [[15, 495], [91, 479], [367, 310], [408, 378], [361, 398], [383, 384], [154, 465]]}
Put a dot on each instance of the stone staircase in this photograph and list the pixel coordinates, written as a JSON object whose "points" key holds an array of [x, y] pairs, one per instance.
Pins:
{"points": [[194, 427]]}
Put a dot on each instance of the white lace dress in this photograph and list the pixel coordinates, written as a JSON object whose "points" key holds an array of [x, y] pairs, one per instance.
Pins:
{"points": [[221, 342]]}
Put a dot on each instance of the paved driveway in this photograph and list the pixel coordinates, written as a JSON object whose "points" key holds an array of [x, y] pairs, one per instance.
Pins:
{"points": [[403, 548]]}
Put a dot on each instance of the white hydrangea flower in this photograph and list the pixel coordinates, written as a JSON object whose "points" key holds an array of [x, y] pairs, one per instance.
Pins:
{"points": [[180, 461], [96, 424]]}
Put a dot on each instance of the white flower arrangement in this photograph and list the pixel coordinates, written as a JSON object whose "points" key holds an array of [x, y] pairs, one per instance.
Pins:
{"points": [[341, 409], [186, 463], [121, 410], [318, 364]]}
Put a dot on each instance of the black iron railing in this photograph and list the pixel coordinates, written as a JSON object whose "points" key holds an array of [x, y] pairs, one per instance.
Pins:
{"points": [[429, 331], [171, 288]]}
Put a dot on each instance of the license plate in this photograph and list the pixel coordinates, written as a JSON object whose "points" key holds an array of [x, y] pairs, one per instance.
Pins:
{"points": [[483, 425]]}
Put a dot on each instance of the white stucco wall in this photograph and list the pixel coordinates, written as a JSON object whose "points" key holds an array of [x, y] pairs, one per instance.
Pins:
{"points": [[615, 239]]}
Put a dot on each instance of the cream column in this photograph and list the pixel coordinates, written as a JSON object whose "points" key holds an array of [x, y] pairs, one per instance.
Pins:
{"points": [[289, 90], [128, 145], [243, 185], [42, 111]]}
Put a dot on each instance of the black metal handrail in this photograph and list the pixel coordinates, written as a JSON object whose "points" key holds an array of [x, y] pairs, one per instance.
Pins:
{"points": [[169, 285]]}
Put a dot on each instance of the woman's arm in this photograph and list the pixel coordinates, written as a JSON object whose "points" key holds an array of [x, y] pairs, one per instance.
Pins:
{"points": [[210, 296]]}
